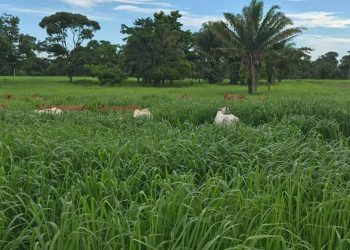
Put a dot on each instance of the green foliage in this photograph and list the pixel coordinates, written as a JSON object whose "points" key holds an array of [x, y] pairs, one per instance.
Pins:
{"points": [[103, 60], [298, 63], [286, 61], [326, 66], [107, 75], [278, 180], [208, 59], [156, 48], [37, 66], [15, 48], [159, 51], [61, 25], [232, 67], [102, 53], [344, 66], [66, 34], [252, 34], [5, 46], [169, 72], [213, 73]]}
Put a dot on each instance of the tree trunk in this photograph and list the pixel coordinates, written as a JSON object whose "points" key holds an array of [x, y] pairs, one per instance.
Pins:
{"points": [[254, 83], [248, 80], [70, 71], [269, 79], [250, 87], [138, 79], [232, 80]]}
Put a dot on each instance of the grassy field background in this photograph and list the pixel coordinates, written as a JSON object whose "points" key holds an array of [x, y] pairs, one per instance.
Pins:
{"points": [[91, 180]]}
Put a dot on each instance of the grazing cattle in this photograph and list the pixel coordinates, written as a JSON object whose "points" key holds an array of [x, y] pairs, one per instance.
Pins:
{"points": [[234, 97], [36, 97], [77, 108], [3, 107], [184, 96], [50, 111], [106, 108], [145, 113], [225, 118], [9, 96]]}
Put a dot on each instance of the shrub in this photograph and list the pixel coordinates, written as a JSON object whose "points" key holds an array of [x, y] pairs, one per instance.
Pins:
{"points": [[213, 73], [107, 75]]}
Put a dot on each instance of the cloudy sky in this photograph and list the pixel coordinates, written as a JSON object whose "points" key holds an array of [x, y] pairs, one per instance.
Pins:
{"points": [[328, 22]]}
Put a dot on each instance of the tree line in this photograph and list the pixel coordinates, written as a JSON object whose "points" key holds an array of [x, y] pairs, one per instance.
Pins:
{"points": [[244, 48]]}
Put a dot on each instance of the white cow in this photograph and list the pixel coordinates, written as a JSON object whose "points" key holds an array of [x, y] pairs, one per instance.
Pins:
{"points": [[50, 111], [225, 118], [145, 113]]}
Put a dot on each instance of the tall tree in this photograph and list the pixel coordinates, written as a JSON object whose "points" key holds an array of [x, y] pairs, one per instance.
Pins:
{"points": [[5, 55], [253, 34], [286, 61], [16, 48], [232, 63], [101, 53], [66, 34], [345, 66], [209, 60], [298, 63], [326, 66], [155, 49], [103, 60], [10, 44]]}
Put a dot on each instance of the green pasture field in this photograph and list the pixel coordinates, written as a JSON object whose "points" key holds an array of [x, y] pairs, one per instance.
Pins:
{"points": [[280, 179]]}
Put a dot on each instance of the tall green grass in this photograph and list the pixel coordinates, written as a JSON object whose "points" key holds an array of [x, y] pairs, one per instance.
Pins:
{"points": [[278, 180]]}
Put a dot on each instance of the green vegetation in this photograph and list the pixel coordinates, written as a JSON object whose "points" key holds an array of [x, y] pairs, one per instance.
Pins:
{"points": [[207, 55], [107, 75], [155, 48], [247, 46], [253, 35], [66, 33], [96, 178], [278, 180]]}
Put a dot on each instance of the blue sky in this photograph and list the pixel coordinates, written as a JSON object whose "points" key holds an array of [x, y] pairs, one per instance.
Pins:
{"points": [[328, 22]]}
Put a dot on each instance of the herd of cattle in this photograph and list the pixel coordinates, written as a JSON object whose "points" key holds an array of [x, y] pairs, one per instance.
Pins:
{"points": [[223, 116]]}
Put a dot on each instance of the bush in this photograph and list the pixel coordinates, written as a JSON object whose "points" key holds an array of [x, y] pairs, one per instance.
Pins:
{"points": [[213, 73], [107, 75], [168, 72]]}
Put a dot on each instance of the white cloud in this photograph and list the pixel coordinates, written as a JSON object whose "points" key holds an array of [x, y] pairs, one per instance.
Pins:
{"points": [[84, 3], [323, 44], [189, 20], [133, 8], [314, 19], [144, 2], [196, 21], [46, 12], [39, 11], [92, 3]]}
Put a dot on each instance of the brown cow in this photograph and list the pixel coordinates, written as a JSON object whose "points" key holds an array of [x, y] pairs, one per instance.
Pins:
{"points": [[234, 97], [106, 108]]}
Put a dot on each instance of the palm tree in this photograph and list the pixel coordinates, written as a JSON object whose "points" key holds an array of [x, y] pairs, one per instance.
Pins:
{"points": [[278, 60], [207, 47], [252, 34]]}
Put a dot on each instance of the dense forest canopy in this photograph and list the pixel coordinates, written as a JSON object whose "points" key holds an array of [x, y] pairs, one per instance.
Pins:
{"points": [[244, 48]]}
